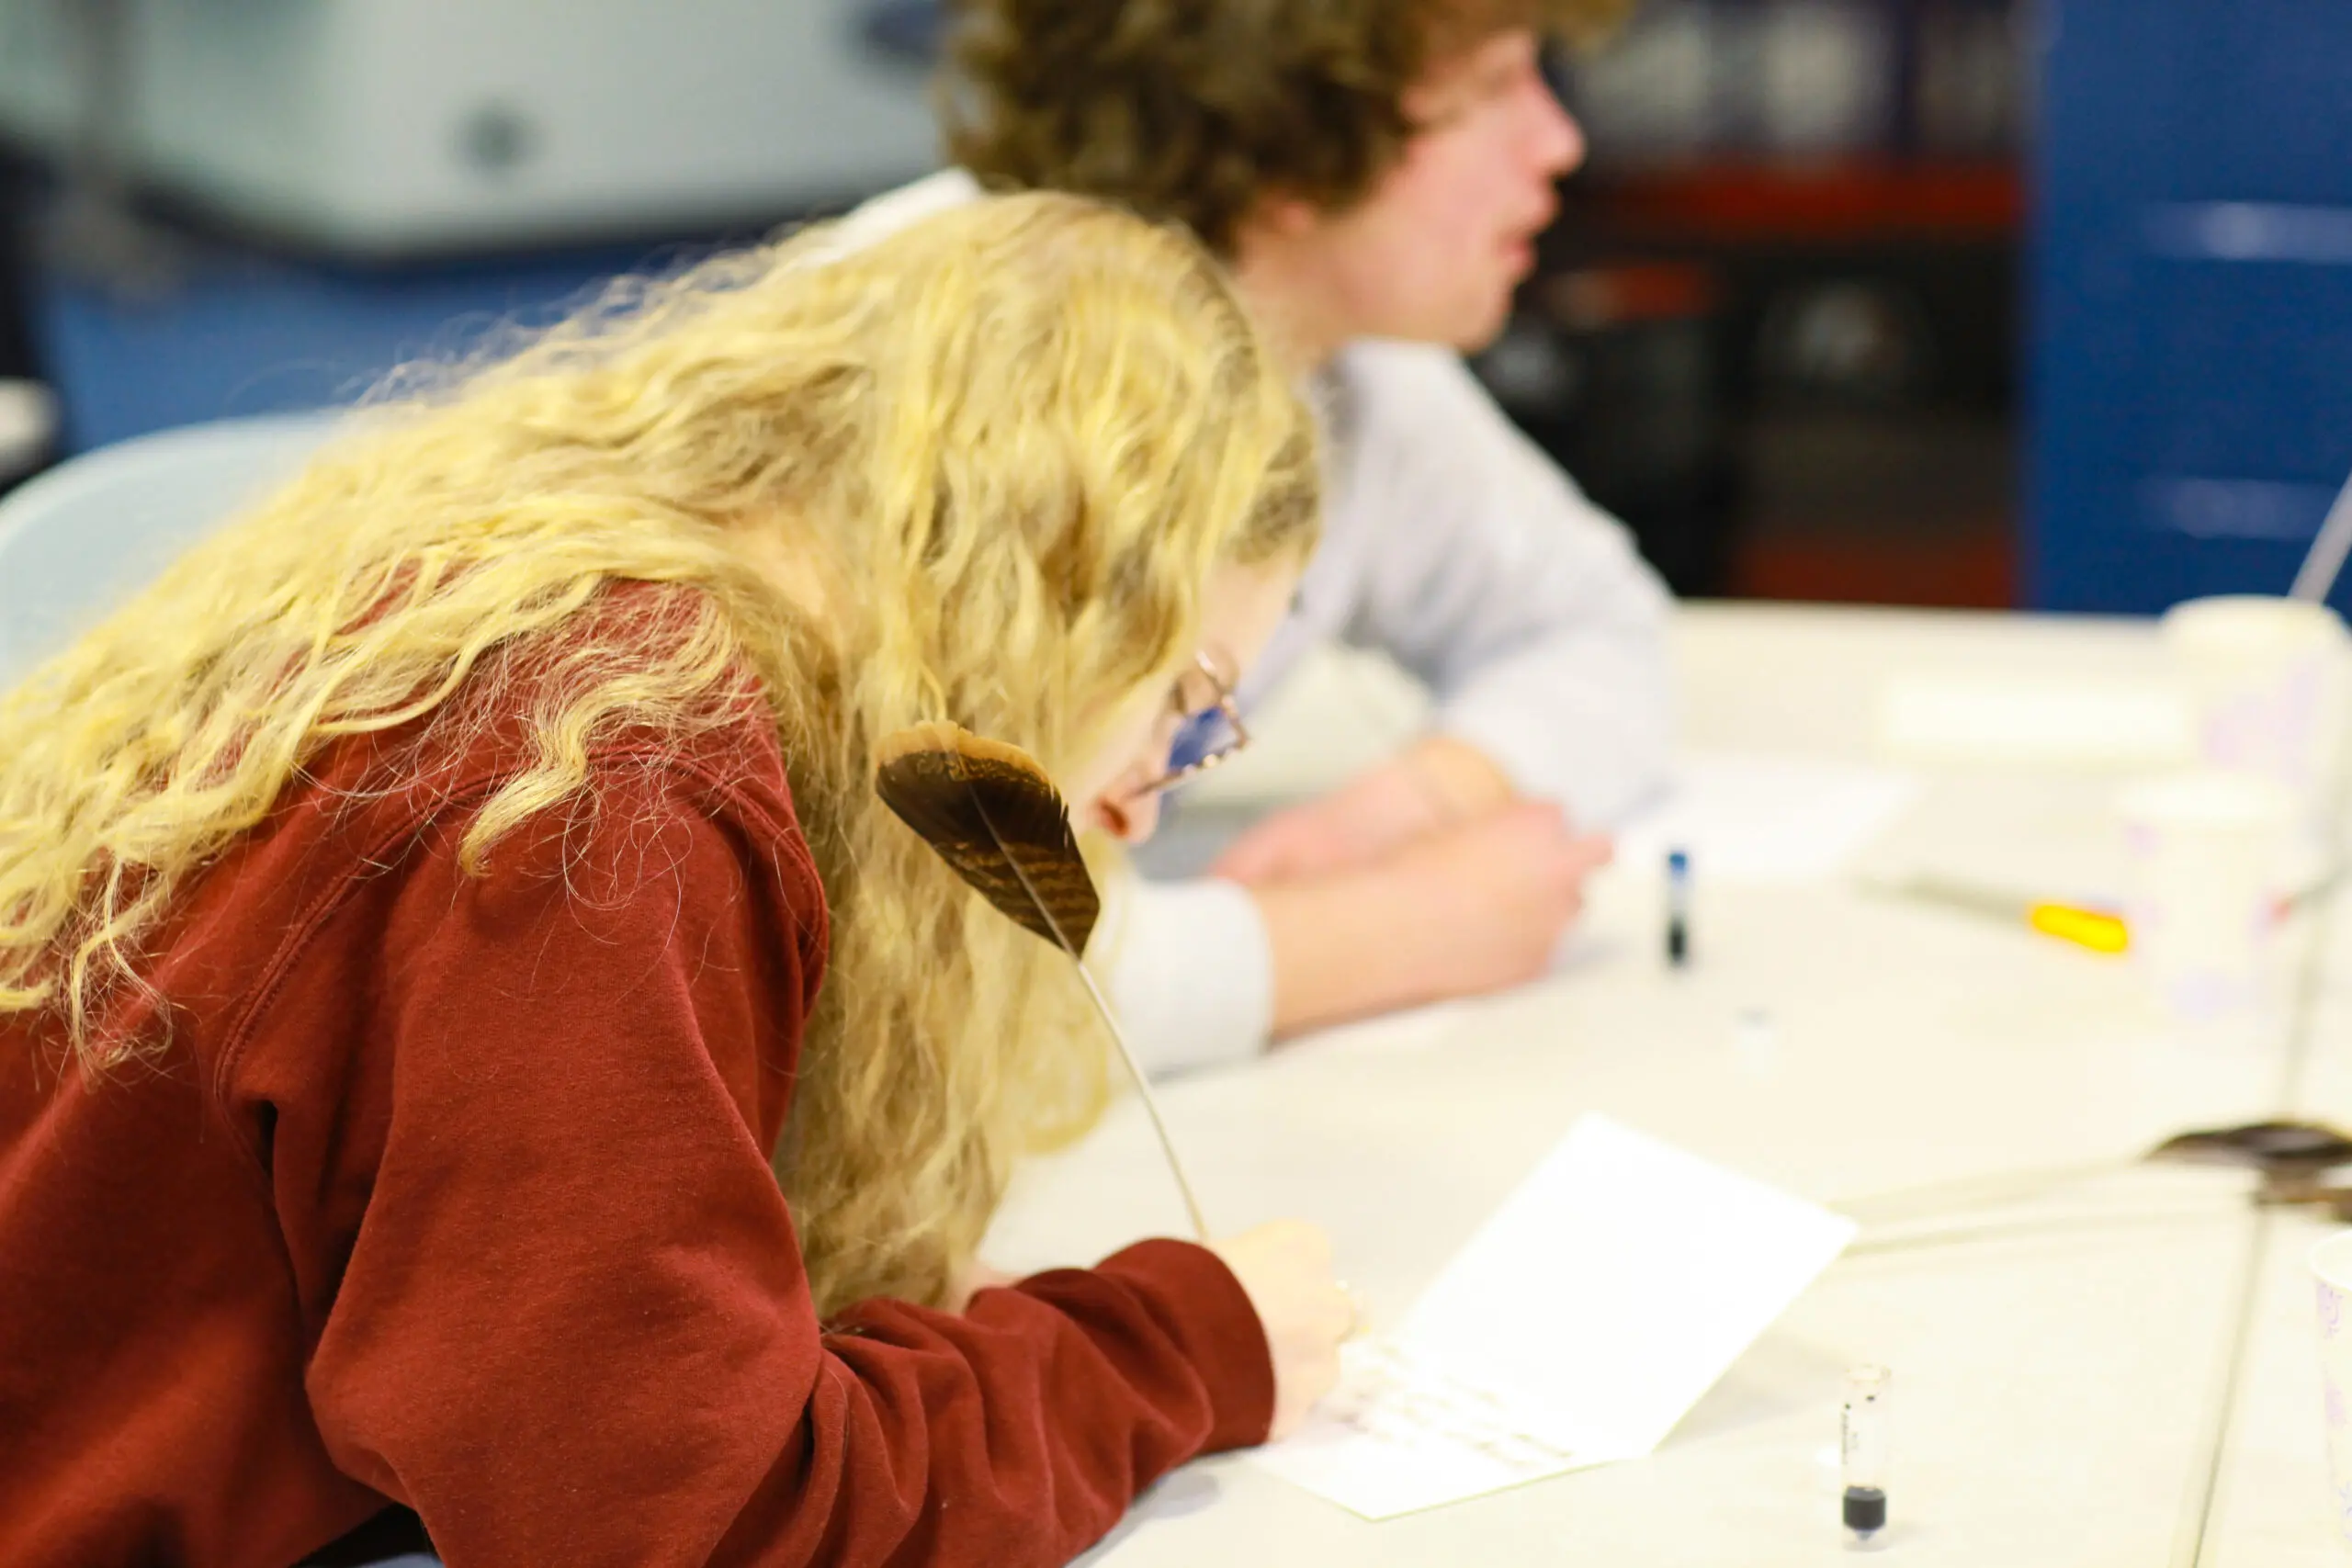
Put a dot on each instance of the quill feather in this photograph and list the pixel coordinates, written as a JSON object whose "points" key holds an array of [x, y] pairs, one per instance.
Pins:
{"points": [[989, 812]]}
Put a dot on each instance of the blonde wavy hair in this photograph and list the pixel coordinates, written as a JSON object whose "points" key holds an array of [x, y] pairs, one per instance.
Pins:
{"points": [[981, 469]]}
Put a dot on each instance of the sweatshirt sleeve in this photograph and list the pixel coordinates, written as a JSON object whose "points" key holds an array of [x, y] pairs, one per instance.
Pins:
{"points": [[1488, 574], [573, 1327]]}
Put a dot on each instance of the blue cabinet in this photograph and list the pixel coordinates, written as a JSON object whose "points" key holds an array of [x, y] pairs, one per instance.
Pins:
{"points": [[230, 331], [2191, 403]]}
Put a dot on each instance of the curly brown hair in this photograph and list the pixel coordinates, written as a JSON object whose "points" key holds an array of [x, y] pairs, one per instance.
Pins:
{"points": [[1190, 110]]}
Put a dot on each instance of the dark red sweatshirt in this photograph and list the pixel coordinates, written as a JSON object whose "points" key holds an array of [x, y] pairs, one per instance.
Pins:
{"points": [[454, 1191]]}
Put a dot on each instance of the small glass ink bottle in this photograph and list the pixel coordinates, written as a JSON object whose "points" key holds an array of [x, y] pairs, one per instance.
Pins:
{"points": [[1864, 1452]]}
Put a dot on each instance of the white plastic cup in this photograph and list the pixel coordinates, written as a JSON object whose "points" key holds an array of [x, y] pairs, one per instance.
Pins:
{"points": [[2331, 1267], [2270, 683], [2206, 848]]}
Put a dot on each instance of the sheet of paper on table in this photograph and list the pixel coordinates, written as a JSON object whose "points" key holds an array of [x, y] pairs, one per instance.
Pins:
{"points": [[1758, 818], [2047, 721], [1585, 1318]]}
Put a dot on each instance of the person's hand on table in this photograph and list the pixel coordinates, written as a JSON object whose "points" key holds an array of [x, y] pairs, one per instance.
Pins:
{"points": [[1285, 1269], [1489, 901], [1435, 784], [1472, 909]]}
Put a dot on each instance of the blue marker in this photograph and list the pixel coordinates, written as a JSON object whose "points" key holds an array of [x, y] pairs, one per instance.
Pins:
{"points": [[1677, 908]]}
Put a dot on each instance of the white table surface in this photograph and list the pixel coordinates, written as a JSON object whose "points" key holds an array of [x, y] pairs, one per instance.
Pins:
{"points": [[2065, 1376], [2276, 1457]]}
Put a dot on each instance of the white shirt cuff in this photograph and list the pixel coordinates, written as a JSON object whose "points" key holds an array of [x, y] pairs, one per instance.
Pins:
{"points": [[1191, 971]]}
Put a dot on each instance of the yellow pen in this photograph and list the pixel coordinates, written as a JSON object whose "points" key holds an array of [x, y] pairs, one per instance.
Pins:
{"points": [[2100, 931], [2095, 928]]}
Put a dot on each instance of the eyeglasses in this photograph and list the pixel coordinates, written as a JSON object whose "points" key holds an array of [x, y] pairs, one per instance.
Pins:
{"points": [[1212, 733]]}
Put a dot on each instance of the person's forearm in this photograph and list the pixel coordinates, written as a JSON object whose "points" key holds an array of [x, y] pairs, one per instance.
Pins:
{"points": [[1437, 784], [1461, 779], [1342, 948], [1472, 910]]}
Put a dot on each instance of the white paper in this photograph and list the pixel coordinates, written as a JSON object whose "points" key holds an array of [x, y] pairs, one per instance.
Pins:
{"points": [[1751, 818], [1585, 1318], [2044, 720], [1398, 1436]]}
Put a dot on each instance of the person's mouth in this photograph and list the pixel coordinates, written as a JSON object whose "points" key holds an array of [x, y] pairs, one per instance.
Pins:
{"points": [[1519, 242]]}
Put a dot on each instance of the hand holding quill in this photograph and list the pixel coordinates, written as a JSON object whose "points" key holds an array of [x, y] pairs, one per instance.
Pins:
{"points": [[989, 812]]}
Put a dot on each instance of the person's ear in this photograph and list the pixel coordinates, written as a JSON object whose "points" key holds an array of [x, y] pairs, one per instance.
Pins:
{"points": [[1276, 215]]}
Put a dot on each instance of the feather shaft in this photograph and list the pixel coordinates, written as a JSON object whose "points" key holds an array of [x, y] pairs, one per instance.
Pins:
{"points": [[1127, 1053], [990, 813]]}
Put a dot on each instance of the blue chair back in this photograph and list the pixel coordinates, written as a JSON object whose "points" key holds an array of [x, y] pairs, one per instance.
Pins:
{"points": [[80, 539]]}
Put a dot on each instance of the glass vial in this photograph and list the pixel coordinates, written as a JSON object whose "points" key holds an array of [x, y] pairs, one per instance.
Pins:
{"points": [[1865, 1449]]}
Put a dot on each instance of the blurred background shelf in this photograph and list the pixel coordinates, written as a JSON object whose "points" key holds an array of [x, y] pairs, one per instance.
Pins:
{"points": [[1841, 181]]}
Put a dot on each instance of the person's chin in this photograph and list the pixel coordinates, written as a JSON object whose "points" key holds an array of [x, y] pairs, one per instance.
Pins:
{"points": [[1477, 332], [1464, 324]]}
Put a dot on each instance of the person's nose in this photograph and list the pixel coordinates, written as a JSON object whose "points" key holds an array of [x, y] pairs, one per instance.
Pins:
{"points": [[1133, 818], [1555, 140]]}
